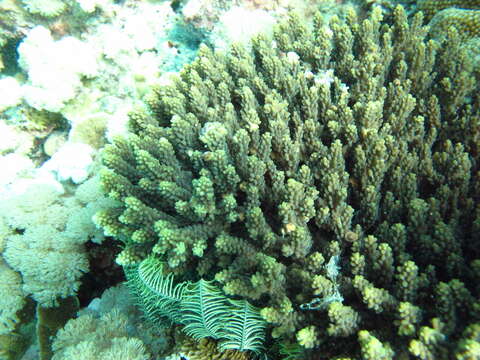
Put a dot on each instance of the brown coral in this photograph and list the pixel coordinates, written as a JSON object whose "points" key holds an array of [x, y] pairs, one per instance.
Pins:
{"points": [[463, 15], [467, 22], [206, 349], [431, 7]]}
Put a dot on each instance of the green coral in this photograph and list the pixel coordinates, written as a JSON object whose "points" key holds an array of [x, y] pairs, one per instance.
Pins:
{"points": [[430, 343], [307, 337], [407, 319], [469, 346], [372, 348], [356, 140], [344, 320]]}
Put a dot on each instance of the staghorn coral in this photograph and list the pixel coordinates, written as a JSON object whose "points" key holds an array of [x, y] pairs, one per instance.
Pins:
{"points": [[355, 141], [469, 347], [372, 348]]}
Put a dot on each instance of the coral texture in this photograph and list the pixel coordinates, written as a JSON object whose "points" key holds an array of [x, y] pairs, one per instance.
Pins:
{"points": [[104, 338], [467, 22], [48, 232], [431, 7], [56, 69], [12, 300], [49, 259], [463, 15], [330, 176], [206, 349]]}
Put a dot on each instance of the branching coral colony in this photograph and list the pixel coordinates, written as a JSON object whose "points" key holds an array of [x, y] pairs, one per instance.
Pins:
{"points": [[338, 163]]}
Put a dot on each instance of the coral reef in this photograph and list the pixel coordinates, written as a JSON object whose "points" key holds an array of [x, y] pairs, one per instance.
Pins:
{"points": [[355, 141]]}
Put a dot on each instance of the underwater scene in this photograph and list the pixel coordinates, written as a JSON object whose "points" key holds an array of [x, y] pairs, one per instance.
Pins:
{"points": [[239, 179]]}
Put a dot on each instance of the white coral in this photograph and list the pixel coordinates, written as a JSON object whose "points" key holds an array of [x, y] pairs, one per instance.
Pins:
{"points": [[71, 161], [89, 6], [51, 263], [47, 8], [43, 234], [11, 92], [104, 338], [55, 68], [239, 25]]}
